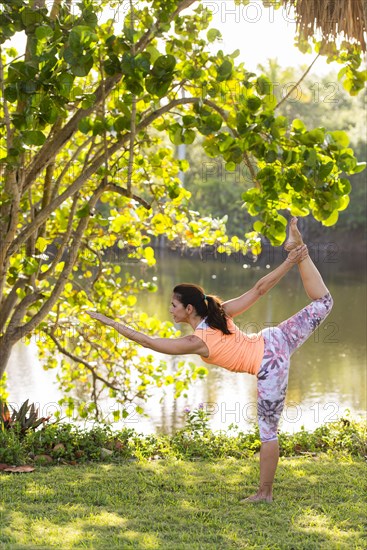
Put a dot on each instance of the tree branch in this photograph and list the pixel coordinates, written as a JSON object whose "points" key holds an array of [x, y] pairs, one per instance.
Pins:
{"points": [[68, 267], [149, 35], [55, 9], [64, 243], [93, 167], [79, 360], [100, 264], [52, 146], [297, 83], [8, 304], [71, 160], [19, 312], [5, 104], [125, 193], [133, 111]]}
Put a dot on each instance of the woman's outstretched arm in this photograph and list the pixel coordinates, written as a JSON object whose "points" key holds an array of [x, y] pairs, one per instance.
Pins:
{"points": [[170, 346], [245, 301]]}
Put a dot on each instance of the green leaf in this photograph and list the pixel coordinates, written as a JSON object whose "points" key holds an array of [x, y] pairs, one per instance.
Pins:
{"points": [[340, 138], [189, 121], [325, 170], [310, 157], [331, 220], [142, 62], [83, 67], [270, 102], [213, 34], [214, 122], [44, 31], [235, 54], [359, 167], [242, 122], [210, 125], [153, 52], [176, 134], [271, 156], [344, 186], [84, 125], [189, 136], [225, 143], [90, 17], [34, 137], [41, 244], [298, 183], [128, 64], [264, 86], [157, 86], [254, 104], [163, 65], [65, 82], [343, 203], [230, 166], [31, 17], [121, 123], [298, 125], [11, 93], [259, 226], [313, 137], [82, 35], [83, 212], [88, 101], [298, 210], [224, 71]]}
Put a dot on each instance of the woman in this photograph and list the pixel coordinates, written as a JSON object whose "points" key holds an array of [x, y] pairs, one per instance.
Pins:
{"points": [[218, 341]]}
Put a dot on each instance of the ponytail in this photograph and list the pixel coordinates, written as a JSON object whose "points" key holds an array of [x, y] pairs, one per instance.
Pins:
{"points": [[208, 306]]}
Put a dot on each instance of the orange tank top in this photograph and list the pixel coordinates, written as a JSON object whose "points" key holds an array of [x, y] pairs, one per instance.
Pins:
{"points": [[237, 352]]}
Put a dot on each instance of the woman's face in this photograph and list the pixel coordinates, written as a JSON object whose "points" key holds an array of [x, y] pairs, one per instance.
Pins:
{"points": [[178, 310]]}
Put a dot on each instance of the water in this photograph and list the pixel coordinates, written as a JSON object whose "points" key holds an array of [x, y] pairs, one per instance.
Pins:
{"points": [[327, 377]]}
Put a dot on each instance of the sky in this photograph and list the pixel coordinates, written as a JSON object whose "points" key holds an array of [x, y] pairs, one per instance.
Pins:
{"points": [[261, 33]]}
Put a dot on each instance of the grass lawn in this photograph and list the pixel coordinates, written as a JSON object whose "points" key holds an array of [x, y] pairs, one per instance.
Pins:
{"points": [[319, 503]]}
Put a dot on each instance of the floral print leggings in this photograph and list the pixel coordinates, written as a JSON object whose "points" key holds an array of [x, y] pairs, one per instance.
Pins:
{"points": [[280, 343]]}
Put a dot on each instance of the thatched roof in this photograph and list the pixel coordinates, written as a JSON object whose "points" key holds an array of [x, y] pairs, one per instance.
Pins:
{"points": [[333, 18]]}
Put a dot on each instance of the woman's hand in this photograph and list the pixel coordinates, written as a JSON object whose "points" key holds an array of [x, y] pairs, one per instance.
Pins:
{"points": [[100, 317], [298, 254]]}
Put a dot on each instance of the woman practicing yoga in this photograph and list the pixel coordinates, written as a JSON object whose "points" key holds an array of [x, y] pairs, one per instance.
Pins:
{"points": [[266, 355]]}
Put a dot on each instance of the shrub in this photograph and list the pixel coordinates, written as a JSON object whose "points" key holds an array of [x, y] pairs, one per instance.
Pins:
{"points": [[26, 418], [70, 443]]}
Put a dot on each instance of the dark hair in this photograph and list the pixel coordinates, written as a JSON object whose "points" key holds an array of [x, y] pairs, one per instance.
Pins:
{"points": [[208, 306]]}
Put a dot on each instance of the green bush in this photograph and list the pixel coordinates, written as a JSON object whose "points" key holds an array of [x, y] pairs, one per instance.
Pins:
{"points": [[12, 449], [70, 443], [344, 435]]}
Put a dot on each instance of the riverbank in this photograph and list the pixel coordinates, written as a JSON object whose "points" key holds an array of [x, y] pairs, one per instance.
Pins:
{"points": [[319, 502], [331, 246]]}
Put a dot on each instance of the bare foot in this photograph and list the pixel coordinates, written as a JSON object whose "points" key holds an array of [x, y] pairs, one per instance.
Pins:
{"points": [[294, 237], [258, 497]]}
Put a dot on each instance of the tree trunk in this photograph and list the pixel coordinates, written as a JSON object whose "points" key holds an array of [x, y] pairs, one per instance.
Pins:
{"points": [[6, 346]]}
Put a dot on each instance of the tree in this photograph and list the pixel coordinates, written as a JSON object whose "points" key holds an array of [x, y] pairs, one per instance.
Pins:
{"points": [[316, 100], [88, 177]]}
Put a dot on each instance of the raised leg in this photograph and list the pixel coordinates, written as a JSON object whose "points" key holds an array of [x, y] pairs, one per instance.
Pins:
{"points": [[312, 281]]}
